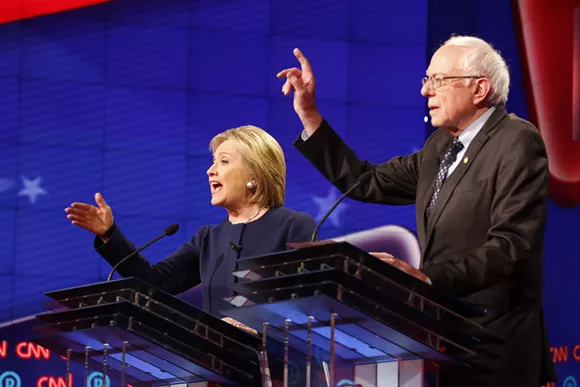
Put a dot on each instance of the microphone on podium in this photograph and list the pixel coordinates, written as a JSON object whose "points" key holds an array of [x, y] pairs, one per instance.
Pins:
{"points": [[362, 178], [170, 230]]}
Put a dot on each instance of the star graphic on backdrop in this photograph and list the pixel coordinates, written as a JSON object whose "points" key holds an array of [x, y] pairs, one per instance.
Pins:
{"points": [[5, 185], [32, 189], [324, 204]]}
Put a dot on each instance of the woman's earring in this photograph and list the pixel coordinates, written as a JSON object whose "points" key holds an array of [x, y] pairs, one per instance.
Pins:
{"points": [[250, 185]]}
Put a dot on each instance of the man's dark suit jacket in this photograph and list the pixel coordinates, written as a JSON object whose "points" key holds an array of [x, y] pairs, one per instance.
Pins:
{"points": [[483, 241]]}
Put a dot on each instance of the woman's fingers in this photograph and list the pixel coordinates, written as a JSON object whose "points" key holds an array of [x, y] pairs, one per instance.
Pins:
{"points": [[82, 206]]}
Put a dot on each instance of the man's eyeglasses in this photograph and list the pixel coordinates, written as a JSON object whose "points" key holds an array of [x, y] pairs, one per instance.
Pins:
{"points": [[436, 81]]}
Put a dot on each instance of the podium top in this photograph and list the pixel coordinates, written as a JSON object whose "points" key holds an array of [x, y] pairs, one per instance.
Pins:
{"points": [[106, 286], [130, 288], [352, 259]]}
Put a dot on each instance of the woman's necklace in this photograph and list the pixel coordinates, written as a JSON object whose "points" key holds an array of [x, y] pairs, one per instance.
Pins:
{"points": [[253, 216]]}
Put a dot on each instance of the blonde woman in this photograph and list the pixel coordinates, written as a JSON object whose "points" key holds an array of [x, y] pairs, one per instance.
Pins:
{"points": [[248, 179]]}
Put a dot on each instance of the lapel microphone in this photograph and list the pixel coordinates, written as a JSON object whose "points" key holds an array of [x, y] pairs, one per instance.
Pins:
{"points": [[235, 247]]}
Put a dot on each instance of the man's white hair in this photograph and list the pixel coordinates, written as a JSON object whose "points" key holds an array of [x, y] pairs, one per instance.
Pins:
{"points": [[482, 59]]}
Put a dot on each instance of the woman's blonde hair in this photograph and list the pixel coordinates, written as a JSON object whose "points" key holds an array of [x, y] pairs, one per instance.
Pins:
{"points": [[264, 161]]}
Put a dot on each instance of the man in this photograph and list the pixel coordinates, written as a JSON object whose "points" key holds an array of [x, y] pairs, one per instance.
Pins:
{"points": [[480, 187]]}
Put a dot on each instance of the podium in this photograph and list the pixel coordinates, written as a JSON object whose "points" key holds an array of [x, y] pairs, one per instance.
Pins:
{"points": [[332, 303], [354, 310], [137, 334]]}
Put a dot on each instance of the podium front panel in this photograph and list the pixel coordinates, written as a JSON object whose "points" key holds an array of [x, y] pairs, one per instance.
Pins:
{"points": [[360, 338]]}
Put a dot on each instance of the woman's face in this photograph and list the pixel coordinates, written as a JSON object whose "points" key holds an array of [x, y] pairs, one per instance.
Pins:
{"points": [[227, 177]]}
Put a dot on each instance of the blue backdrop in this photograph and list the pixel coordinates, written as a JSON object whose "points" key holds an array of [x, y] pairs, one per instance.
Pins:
{"points": [[123, 98]]}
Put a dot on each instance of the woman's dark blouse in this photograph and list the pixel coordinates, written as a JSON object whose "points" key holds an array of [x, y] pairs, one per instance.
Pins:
{"points": [[208, 258]]}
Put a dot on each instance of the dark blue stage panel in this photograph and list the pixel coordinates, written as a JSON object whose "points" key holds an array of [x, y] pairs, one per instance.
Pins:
{"points": [[7, 241], [57, 112], [9, 108], [240, 15], [392, 77], [137, 183], [146, 119], [48, 246], [147, 55], [397, 22], [10, 182], [78, 56], [74, 51], [320, 19], [9, 49], [7, 296], [228, 62], [148, 12]]}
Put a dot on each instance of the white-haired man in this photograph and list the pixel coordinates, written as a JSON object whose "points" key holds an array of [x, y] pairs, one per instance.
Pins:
{"points": [[480, 187]]}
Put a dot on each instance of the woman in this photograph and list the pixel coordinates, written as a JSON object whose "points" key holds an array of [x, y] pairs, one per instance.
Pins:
{"points": [[247, 178]]}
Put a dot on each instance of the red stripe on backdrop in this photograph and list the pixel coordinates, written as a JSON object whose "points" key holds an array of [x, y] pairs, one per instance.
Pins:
{"points": [[12, 10]]}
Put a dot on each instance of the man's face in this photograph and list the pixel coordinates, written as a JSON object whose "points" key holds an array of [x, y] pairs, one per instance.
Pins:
{"points": [[451, 102]]}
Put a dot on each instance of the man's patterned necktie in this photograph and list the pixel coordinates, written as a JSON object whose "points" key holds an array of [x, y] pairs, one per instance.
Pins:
{"points": [[448, 160]]}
